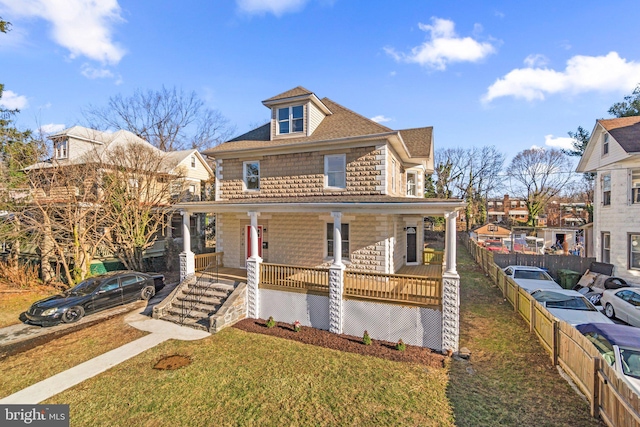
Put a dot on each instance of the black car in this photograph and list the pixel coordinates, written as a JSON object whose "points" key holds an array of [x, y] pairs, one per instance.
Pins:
{"points": [[94, 294]]}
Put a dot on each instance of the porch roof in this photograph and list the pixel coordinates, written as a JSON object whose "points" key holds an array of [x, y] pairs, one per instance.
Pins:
{"points": [[361, 204]]}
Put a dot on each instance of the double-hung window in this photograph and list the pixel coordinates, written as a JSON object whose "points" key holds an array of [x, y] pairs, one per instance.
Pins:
{"points": [[412, 179], [193, 162], [606, 190], [605, 144], [606, 247], [61, 149], [335, 171], [252, 175], [635, 186], [345, 240], [290, 119], [634, 251]]}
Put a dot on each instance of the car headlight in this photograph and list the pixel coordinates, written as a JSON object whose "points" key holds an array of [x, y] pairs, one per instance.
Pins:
{"points": [[50, 311]]}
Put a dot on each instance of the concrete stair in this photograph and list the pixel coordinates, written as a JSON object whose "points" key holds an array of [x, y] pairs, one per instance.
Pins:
{"points": [[193, 305]]}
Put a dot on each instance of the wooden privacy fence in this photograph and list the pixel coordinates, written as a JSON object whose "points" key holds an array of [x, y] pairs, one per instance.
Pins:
{"points": [[395, 288], [300, 279], [609, 396], [205, 260], [553, 263]]}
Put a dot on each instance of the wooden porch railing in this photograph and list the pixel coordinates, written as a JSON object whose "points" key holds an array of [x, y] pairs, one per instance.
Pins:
{"points": [[394, 288], [295, 278], [203, 260], [432, 256]]}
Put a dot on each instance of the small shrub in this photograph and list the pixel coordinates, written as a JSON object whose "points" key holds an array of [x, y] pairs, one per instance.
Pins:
{"points": [[271, 323], [366, 339], [296, 326], [401, 346]]}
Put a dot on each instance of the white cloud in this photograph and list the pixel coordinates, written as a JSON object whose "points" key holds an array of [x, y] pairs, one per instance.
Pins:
{"points": [[380, 119], [277, 7], [536, 60], [51, 128], [562, 142], [582, 74], [95, 73], [443, 47], [12, 100], [82, 26]]}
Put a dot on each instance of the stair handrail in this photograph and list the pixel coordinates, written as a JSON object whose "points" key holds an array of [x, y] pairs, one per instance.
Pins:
{"points": [[200, 288]]}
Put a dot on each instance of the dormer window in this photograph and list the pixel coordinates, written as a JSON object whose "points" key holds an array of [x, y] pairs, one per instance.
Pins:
{"points": [[60, 149], [605, 144], [290, 119]]}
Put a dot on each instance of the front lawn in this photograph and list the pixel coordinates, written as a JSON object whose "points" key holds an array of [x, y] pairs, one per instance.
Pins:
{"points": [[239, 378], [13, 303]]}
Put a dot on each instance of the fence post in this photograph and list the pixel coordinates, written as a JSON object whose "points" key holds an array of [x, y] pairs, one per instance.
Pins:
{"points": [[554, 344], [595, 396], [516, 298], [532, 315]]}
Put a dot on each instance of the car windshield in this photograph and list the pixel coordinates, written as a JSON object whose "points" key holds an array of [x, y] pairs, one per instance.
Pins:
{"points": [[531, 274], [569, 302], [86, 287], [630, 359]]}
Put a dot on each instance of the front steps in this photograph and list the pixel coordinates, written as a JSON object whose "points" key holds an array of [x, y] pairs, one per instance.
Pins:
{"points": [[195, 303]]}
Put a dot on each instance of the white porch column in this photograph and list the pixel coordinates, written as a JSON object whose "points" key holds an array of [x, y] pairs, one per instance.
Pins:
{"points": [[336, 278], [187, 258], [253, 270], [450, 289]]}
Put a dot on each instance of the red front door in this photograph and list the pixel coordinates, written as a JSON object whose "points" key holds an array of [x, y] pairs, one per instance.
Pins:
{"points": [[248, 236]]}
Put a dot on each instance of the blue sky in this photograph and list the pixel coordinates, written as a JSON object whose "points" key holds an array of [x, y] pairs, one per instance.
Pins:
{"points": [[503, 73]]}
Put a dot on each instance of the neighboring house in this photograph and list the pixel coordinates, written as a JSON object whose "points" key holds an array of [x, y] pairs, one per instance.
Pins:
{"points": [[322, 188], [490, 232], [509, 211], [613, 153], [79, 145]]}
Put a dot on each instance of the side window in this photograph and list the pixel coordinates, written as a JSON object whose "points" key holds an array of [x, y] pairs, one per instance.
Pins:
{"points": [[251, 175], [130, 280], [606, 190], [335, 171], [109, 285], [509, 272], [625, 295], [635, 299]]}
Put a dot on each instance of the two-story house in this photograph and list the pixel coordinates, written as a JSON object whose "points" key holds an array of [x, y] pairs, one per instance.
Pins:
{"points": [[190, 177], [613, 153], [322, 188]]}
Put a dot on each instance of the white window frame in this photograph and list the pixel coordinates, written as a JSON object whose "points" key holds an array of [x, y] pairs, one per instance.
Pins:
{"points": [[606, 247], [394, 166], [634, 249], [289, 120], [605, 144], [245, 177], [343, 171], [606, 189], [193, 162], [413, 193], [62, 149], [346, 252], [634, 186]]}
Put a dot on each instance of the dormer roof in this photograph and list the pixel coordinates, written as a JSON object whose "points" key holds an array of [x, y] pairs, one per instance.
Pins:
{"points": [[291, 93]]}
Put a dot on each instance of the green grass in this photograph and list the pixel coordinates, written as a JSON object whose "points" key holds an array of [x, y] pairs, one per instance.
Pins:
{"points": [[238, 378], [14, 303], [510, 379]]}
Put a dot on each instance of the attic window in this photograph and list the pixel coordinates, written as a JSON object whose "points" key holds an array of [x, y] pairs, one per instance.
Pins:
{"points": [[60, 149], [193, 162], [605, 144], [290, 119]]}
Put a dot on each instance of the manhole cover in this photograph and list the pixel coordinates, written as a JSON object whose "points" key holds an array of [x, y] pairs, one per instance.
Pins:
{"points": [[175, 361]]}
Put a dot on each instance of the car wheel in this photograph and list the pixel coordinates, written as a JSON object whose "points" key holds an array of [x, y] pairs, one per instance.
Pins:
{"points": [[608, 310], [73, 314], [147, 293]]}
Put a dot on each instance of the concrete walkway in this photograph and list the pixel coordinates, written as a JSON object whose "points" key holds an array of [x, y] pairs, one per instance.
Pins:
{"points": [[160, 331]]}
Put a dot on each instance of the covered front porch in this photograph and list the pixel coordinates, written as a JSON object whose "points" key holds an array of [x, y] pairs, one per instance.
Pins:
{"points": [[378, 262]]}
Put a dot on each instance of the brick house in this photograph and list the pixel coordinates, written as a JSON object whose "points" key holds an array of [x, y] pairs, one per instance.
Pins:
{"points": [[613, 153], [321, 188]]}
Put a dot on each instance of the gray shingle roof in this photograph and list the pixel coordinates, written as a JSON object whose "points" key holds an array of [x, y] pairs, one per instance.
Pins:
{"points": [[343, 123], [625, 130], [296, 91]]}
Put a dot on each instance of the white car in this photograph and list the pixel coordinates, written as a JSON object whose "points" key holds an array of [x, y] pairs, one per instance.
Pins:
{"points": [[623, 303], [570, 306], [620, 348], [530, 278]]}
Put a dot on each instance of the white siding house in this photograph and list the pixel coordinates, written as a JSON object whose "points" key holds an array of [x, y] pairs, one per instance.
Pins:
{"points": [[613, 153]]}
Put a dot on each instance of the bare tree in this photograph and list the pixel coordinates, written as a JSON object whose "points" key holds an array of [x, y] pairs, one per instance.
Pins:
{"points": [[536, 176], [170, 119]]}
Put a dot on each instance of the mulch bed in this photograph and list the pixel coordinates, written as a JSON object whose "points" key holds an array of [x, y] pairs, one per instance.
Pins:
{"points": [[348, 343]]}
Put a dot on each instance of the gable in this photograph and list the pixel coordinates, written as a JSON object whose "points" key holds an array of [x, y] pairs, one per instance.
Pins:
{"points": [[594, 157]]}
